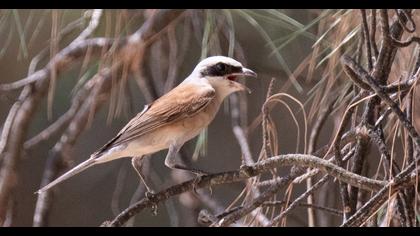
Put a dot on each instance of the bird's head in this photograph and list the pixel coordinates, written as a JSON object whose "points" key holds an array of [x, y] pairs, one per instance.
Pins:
{"points": [[223, 73]]}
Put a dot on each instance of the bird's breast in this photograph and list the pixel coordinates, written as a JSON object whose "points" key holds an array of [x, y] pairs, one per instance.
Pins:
{"points": [[193, 125]]}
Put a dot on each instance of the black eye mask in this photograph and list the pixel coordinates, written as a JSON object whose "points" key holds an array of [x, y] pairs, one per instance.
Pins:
{"points": [[221, 69]]}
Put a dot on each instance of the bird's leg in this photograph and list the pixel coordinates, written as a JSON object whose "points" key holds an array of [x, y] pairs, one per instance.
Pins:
{"points": [[137, 163], [170, 161]]}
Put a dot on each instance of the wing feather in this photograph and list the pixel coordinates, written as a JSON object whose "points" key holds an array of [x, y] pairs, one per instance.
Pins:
{"points": [[181, 102]]}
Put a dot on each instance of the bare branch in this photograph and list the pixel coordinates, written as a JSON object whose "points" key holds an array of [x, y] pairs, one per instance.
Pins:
{"points": [[248, 172]]}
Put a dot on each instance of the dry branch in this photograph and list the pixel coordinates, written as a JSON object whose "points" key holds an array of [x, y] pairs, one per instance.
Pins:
{"points": [[248, 172]]}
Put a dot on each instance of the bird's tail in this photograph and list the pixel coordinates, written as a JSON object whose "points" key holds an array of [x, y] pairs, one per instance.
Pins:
{"points": [[79, 168]]}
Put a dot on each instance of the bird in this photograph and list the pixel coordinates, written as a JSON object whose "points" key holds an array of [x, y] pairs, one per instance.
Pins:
{"points": [[172, 119]]}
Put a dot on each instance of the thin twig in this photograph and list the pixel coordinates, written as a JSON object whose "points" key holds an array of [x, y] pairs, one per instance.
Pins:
{"points": [[368, 39], [373, 33], [402, 180], [350, 63], [298, 200]]}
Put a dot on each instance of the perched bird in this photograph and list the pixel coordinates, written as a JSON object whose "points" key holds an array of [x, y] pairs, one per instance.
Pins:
{"points": [[173, 119]]}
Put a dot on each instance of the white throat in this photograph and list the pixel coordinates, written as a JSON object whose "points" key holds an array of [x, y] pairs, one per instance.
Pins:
{"points": [[223, 87]]}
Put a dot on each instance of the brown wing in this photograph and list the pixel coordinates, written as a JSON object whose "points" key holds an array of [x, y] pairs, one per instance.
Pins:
{"points": [[181, 102]]}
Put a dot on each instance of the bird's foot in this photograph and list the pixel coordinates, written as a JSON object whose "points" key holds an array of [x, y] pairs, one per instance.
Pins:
{"points": [[247, 170], [199, 177], [151, 196], [197, 180]]}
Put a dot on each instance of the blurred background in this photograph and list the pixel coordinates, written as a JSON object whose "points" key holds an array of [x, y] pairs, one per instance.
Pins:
{"points": [[298, 49]]}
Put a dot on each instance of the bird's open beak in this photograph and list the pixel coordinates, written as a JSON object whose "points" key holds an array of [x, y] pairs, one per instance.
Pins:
{"points": [[245, 73], [248, 72]]}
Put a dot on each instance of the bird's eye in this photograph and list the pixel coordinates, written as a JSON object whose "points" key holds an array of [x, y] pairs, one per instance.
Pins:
{"points": [[221, 67]]}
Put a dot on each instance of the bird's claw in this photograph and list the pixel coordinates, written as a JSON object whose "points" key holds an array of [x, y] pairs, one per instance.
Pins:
{"points": [[246, 169], [154, 209], [151, 196], [198, 178]]}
